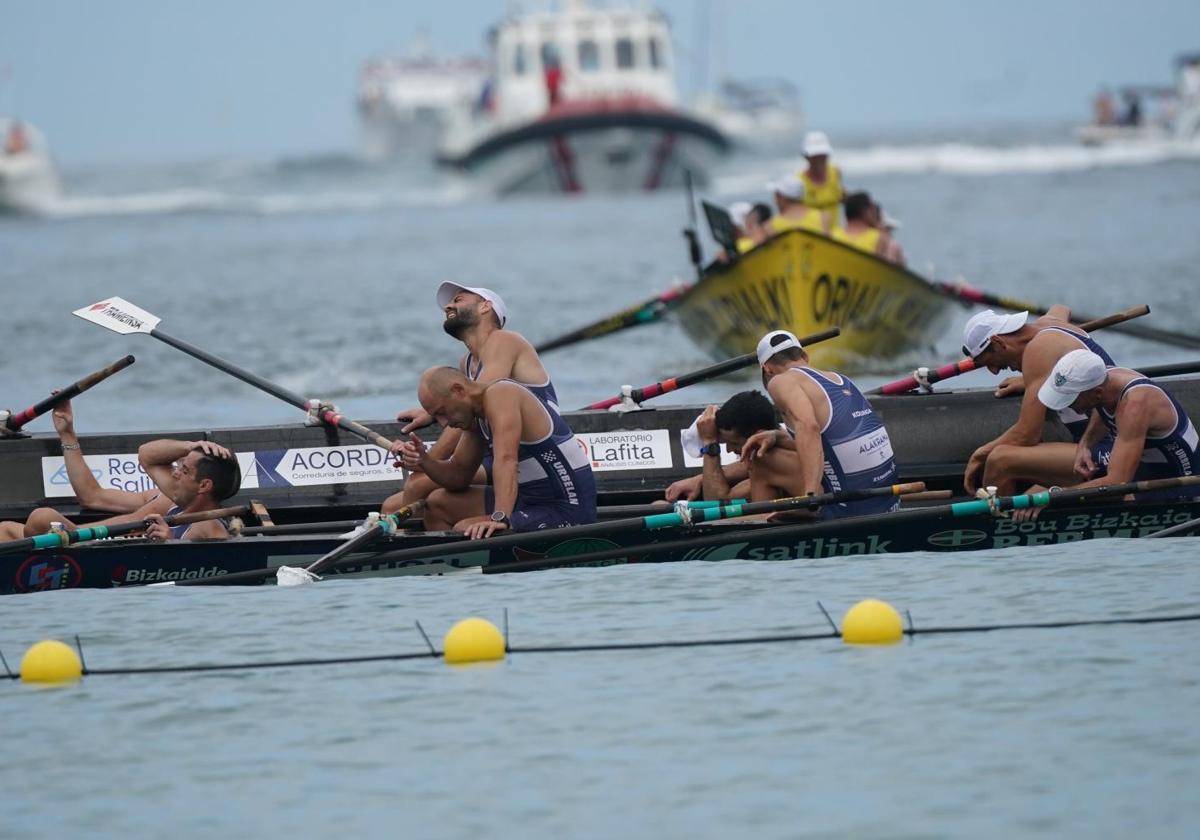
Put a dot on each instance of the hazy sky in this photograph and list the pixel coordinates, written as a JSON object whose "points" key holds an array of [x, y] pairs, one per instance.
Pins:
{"points": [[133, 80]]}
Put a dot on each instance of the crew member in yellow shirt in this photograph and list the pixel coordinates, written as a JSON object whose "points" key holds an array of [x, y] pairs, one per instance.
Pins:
{"points": [[793, 212], [822, 180], [861, 231]]}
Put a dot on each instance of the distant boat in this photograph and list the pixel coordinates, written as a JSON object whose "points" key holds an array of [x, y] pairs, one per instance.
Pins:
{"points": [[581, 99], [404, 103], [1175, 117], [28, 180], [762, 116]]}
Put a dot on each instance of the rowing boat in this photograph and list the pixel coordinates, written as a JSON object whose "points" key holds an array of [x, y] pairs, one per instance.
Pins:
{"points": [[806, 282], [133, 562], [305, 473]]}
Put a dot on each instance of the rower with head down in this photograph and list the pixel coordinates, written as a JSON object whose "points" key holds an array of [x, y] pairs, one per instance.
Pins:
{"points": [[839, 442], [1018, 456], [475, 316], [191, 476], [541, 473]]}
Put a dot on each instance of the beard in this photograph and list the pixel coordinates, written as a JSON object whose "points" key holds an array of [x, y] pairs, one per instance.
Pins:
{"points": [[462, 320]]}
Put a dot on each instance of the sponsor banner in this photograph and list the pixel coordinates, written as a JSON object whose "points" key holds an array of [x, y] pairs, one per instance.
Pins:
{"points": [[727, 457], [119, 472], [639, 449], [271, 468], [316, 465]]}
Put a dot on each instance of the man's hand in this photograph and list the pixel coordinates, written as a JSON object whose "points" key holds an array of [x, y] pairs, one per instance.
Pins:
{"points": [[758, 444], [156, 528], [1085, 465], [706, 425], [974, 471], [64, 418], [483, 530], [413, 419], [686, 489], [207, 447], [1011, 387], [1030, 513], [409, 453]]}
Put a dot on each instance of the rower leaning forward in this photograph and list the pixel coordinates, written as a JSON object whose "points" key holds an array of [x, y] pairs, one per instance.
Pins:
{"points": [[541, 473], [1018, 456]]}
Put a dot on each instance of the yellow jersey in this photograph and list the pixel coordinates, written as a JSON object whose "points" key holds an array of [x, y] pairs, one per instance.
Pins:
{"points": [[744, 244], [867, 241], [811, 220], [827, 196]]}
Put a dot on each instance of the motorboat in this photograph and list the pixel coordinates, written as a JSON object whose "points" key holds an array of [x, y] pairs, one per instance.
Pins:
{"points": [[1173, 115], [28, 179]]}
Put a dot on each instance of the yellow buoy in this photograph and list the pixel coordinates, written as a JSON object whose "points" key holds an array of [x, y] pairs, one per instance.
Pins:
{"points": [[473, 640], [50, 662], [872, 622]]}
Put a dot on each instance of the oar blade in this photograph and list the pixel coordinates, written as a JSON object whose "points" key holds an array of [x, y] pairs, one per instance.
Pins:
{"points": [[120, 316]]}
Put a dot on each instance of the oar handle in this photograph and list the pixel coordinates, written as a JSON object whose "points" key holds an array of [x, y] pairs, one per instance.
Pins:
{"points": [[642, 313], [384, 526], [910, 382], [16, 421], [719, 369], [89, 533]]}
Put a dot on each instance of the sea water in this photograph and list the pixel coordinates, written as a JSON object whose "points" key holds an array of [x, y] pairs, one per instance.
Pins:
{"points": [[320, 275]]}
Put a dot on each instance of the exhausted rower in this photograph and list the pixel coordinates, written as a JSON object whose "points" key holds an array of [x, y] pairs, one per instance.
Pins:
{"points": [[193, 477], [1153, 435], [541, 473], [476, 317], [839, 440], [1018, 456]]}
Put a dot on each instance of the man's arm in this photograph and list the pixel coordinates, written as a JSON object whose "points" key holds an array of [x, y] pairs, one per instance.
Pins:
{"points": [[503, 407], [157, 456], [797, 409], [453, 473], [1133, 423], [83, 480]]}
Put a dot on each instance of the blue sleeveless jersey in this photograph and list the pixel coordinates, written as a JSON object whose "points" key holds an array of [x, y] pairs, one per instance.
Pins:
{"points": [[858, 451], [544, 392], [1176, 453], [1075, 422], [179, 532], [555, 485]]}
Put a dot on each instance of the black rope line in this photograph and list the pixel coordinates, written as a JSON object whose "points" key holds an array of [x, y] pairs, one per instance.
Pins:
{"points": [[425, 636], [625, 646]]}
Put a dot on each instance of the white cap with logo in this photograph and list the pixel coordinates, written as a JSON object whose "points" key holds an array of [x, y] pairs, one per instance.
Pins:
{"points": [[769, 346], [448, 290], [982, 326], [789, 186], [816, 143], [1078, 371]]}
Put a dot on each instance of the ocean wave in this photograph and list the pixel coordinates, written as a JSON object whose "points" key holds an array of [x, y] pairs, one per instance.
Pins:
{"points": [[968, 159]]}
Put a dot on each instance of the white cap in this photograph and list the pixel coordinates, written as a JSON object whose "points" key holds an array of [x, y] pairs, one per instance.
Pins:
{"points": [[983, 325], [738, 211], [816, 143], [689, 439], [448, 290], [766, 349], [789, 186], [1078, 371]]}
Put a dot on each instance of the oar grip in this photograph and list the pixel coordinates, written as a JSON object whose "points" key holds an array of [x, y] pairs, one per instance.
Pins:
{"points": [[16, 421], [909, 487], [1117, 318]]}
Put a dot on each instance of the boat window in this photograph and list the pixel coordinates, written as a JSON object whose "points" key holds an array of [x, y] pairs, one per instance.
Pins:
{"points": [[589, 56], [655, 55], [549, 55], [519, 60], [624, 53]]}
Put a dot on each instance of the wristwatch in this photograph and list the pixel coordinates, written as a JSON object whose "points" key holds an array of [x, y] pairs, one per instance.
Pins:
{"points": [[500, 517], [713, 449]]}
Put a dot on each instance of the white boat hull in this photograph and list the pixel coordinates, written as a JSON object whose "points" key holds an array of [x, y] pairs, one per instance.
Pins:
{"points": [[28, 183]]}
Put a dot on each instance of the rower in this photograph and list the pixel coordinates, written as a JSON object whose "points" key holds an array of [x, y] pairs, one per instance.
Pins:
{"points": [[823, 190], [864, 229], [837, 438], [475, 316], [1153, 435], [541, 473], [775, 474], [1009, 342], [793, 213], [193, 476]]}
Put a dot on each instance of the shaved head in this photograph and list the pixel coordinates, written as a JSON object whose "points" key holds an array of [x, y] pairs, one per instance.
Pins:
{"points": [[446, 394], [437, 380]]}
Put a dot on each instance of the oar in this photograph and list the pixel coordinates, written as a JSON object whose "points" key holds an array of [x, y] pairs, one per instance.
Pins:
{"points": [[1170, 370], [637, 395], [619, 526], [70, 536], [646, 312], [14, 422], [972, 295], [790, 533], [382, 527], [125, 318], [910, 382]]}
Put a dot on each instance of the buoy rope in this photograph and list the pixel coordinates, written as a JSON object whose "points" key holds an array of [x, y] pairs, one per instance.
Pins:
{"points": [[433, 653]]}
